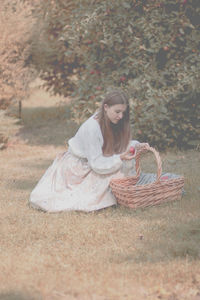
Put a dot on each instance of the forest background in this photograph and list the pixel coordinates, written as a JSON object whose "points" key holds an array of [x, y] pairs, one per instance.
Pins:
{"points": [[82, 48]]}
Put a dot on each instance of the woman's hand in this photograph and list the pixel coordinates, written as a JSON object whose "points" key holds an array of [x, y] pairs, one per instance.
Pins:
{"points": [[127, 155]]}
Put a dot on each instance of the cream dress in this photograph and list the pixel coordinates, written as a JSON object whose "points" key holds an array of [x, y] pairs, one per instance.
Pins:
{"points": [[79, 178]]}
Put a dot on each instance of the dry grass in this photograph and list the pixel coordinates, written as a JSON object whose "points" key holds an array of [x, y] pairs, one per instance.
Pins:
{"points": [[116, 253]]}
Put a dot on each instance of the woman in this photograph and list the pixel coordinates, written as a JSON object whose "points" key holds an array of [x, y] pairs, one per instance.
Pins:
{"points": [[79, 178]]}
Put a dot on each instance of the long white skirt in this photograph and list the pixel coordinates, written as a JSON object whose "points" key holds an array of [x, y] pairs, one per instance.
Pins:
{"points": [[70, 184]]}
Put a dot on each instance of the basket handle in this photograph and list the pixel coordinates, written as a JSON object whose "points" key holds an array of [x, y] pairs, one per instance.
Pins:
{"points": [[158, 161]]}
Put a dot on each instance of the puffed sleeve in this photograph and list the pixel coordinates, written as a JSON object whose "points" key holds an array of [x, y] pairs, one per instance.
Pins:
{"points": [[133, 143], [101, 164]]}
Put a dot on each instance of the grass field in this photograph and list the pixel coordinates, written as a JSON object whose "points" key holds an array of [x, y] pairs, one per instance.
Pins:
{"points": [[113, 254]]}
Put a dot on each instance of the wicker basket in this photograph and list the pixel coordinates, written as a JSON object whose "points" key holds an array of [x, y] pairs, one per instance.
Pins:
{"points": [[131, 195]]}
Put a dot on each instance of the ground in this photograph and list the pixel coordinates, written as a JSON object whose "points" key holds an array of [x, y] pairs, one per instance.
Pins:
{"points": [[115, 253]]}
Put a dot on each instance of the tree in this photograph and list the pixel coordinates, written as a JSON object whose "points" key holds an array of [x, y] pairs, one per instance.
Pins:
{"points": [[16, 23], [150, 48]]}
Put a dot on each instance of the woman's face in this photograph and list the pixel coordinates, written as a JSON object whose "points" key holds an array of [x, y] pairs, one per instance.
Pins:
{"points": [[115, 112]]}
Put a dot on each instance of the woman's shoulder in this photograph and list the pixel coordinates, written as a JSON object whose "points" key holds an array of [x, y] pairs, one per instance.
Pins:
{"points": [[91, 124], [89, 128]]}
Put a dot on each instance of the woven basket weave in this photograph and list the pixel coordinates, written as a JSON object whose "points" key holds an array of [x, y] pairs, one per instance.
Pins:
{"points": [[131, 195]]}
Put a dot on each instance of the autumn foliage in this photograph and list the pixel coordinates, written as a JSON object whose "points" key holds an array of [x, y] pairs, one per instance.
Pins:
{"points": [[16, 23]]}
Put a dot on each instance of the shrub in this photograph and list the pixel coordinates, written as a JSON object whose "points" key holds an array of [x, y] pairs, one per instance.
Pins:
{"points": [[150, 48], [48, 50]]}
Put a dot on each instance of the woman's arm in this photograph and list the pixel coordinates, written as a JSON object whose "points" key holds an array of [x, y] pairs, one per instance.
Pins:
{"points": [[98, 162]]}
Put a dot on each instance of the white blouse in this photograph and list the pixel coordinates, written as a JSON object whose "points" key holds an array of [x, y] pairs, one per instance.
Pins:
{"points": [[88, 142]]}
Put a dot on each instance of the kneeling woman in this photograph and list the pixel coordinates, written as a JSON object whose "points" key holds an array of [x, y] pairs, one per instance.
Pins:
{"points": [[79, 178]]}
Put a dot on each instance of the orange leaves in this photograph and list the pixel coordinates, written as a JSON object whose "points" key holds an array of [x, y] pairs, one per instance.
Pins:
{"points": [[16, 24]]}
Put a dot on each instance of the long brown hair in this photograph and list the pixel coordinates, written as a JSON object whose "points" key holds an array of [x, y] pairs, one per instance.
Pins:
{"points": [[116, 136]]}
